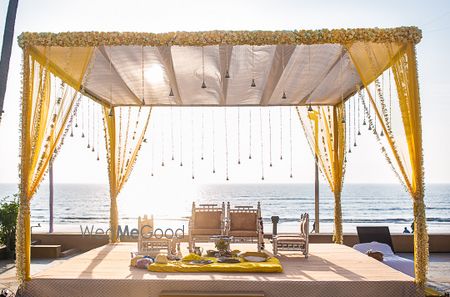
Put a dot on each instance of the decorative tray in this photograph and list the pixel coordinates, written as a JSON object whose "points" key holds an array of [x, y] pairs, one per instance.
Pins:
{"points": [[228, 260], [255, 256]]}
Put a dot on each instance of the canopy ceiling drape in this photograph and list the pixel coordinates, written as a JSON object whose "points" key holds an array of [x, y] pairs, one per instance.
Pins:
{"points": [[320, 69]]}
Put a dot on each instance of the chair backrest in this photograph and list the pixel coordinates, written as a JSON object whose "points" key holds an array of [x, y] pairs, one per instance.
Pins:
{"points": [[244, 218], [145, 225], [375, 233], [208, 216], [304, 224]]}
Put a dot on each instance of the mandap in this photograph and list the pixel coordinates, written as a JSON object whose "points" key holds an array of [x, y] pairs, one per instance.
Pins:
{"points": [[314, 71]]}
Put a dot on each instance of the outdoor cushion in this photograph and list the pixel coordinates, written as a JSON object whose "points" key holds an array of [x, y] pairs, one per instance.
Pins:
{"points": [[208, 220], [243, 233], [243, 221], [206, 232]]}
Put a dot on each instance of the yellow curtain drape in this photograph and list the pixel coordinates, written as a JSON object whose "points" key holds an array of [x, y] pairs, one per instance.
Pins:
{"points": [[47, 104], [125, 129], [46, 107], [325, 132], [405, 137]]}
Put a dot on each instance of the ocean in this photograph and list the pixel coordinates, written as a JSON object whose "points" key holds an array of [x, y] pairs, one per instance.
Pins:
{"points": [[87, 205]]}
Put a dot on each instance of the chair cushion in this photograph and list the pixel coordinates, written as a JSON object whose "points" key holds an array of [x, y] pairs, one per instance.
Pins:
{"points": [[208, 220], [206, 232], [291, 239], [243, 233], [243, 221]]}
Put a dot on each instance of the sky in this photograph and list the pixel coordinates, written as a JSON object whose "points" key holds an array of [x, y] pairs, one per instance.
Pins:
{"points": [[75, 164]]}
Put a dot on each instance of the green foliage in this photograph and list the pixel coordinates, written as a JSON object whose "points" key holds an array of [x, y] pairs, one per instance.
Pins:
{"points": [[9, 208]]}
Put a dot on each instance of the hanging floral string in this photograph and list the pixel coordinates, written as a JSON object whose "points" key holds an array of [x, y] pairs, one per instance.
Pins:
{"points": [[93, 126], [349, 125], [239, 135], [88, 125], [359, 105], [98, 133], [250, 133], [82, 117], [226, 143], [270, 141], [262, 143], [290, 140], [213, 130], [390, 104], [153, 151], [171, 133], [192, 143], [383, 149], [203, 135], [162, 140], [253, 84], [354, 121], [281, 133], [181, 137]]}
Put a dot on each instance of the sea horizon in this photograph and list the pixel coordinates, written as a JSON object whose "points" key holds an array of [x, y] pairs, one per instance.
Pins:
{"points": [[81, 205]]}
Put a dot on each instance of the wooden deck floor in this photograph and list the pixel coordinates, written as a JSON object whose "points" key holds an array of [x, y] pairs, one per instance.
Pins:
{"points": [[330, 269]]}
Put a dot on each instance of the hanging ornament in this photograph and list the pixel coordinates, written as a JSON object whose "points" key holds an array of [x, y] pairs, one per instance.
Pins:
{"points": [[213, 128], [203, 68], [82, 118], [71, 130], [181, 138], [310, 108], [341, 84], [239, 135], [281, 133], [76, 117], [250, 134], [290, 140], [262, 143], [227, 73], [171, 93], [226, 144], [359, 114], [349, 127], [283, 97], [270, 141], [253, 84]]}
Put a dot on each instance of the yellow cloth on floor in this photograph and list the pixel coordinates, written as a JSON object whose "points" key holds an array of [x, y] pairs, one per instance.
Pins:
{"points": [[272, 265]]}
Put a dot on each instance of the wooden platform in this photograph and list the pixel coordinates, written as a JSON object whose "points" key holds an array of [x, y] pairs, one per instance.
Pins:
{"points": [[330, 270]]}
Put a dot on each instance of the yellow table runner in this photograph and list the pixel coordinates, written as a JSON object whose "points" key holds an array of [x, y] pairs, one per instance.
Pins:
{"points": [[271, 265]]}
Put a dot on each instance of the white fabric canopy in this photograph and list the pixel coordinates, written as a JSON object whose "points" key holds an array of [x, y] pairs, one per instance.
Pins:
{"points": [[316, 74]]}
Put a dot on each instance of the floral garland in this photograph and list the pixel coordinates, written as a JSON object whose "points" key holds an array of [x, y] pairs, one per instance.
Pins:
{"points": [[342, 36]]}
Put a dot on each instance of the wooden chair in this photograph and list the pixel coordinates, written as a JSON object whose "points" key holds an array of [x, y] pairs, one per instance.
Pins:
{"points": [[293, 242], [147, 243], [206, 220], [245, 224]]}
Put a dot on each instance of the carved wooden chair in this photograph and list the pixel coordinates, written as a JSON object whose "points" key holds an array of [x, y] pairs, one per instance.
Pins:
{"points": [[147, 243], [206, 220], [293, 242], [245, 224]]}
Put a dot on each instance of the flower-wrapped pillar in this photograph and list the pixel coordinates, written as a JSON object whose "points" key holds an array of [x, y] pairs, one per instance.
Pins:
{"points": [[46, 111], [325, 133], [124, 134]]}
